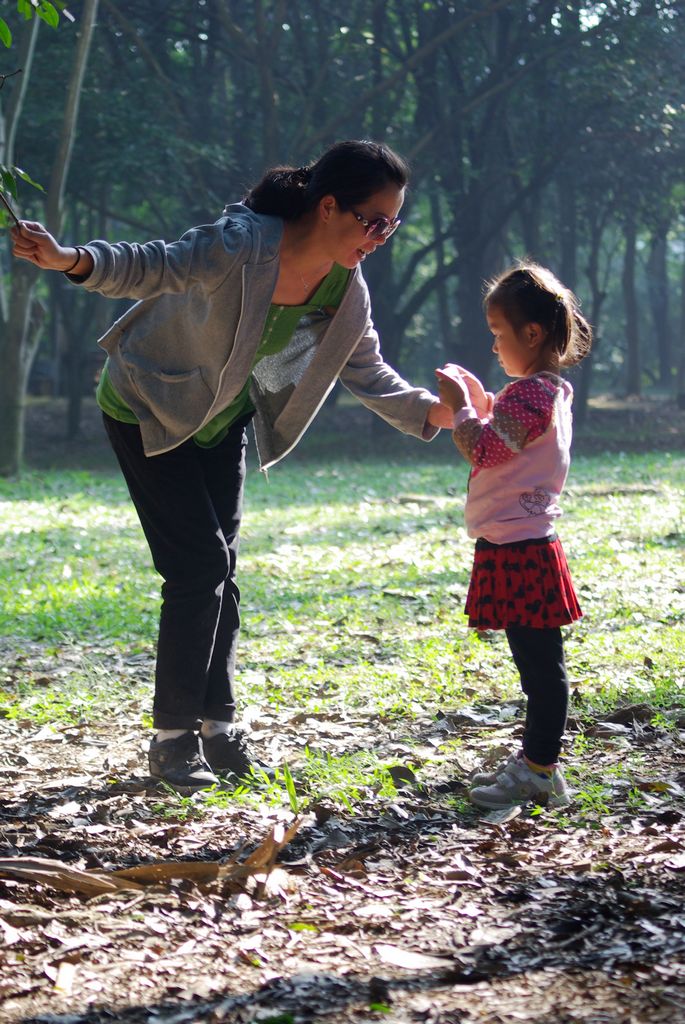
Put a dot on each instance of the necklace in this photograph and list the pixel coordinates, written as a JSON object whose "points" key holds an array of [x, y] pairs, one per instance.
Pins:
{"points": [[309, 284]]}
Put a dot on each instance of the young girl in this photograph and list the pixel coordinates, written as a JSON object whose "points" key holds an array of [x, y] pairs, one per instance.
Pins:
{"points": [[518, 445]]}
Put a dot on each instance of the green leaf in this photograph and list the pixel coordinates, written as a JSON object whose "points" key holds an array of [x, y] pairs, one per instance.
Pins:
{"points": [[25, 7], [8, 182], [290, 787], [27, 178], [5, 34], [48, 13]]}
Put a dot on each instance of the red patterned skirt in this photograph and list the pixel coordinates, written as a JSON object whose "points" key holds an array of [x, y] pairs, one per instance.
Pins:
{"points": [[526, 583]]}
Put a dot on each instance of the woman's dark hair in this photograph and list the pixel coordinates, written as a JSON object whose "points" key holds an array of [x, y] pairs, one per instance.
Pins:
{"points": [[531, 294], [350, 171]]}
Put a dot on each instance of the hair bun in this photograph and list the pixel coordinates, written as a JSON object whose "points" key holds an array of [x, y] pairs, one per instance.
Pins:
{"points": [[302, 176]]}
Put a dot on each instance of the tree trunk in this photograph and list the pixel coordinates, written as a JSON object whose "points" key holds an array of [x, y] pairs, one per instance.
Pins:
{"points": [[268, 37], [9, 118], [473, 348], [74, 357], [680, 382], [630, 306], [18, 343], [62, 159], [379, 277], [568, 271], [657, 269], [444, 321], [597, 297]]}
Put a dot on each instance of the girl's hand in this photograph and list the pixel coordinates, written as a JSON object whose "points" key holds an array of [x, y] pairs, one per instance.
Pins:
{"points": [[481, 400], [32, 242], [452, 390]]}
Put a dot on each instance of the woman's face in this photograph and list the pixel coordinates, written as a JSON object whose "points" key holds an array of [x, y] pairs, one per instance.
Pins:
{"points": [[347, 242]]}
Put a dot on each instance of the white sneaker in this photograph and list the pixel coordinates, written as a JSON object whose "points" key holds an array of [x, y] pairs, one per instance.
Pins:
{"points": [[519, 784]]}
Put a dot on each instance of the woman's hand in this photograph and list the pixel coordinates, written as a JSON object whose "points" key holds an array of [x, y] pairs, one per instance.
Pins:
{"points": [[32, 242], [440, 416]]}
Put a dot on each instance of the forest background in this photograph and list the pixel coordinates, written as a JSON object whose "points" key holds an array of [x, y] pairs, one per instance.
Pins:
{"points": [[537, 128]]}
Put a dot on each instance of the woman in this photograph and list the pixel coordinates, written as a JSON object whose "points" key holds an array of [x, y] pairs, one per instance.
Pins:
{"points": [[256, 315]]}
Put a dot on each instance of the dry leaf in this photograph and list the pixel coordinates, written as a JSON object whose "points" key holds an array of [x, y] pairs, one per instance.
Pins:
{"points": [[411, 961], [64, 982]]}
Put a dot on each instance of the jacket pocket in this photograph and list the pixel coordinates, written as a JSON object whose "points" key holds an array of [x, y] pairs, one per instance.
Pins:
{"points": [[179, 401]]}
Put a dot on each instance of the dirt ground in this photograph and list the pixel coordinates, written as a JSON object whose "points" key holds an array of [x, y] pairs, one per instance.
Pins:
{"points": [[122, 902]]}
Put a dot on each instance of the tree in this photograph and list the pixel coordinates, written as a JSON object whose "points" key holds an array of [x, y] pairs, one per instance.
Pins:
{"points": [[533, 128], [21, 314]]}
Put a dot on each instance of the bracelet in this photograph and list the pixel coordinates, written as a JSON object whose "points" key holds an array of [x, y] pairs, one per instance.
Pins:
{"points": [[77, 260]]}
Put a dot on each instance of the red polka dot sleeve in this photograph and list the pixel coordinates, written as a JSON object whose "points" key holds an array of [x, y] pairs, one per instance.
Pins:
{"points": [[521, 412]]}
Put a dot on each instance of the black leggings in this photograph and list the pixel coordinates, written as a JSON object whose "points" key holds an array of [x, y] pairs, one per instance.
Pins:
{"points": [[189, 502], [539, 657]]}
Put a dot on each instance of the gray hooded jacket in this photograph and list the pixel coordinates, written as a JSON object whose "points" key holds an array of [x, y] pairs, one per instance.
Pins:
{"points": [[183, 352]]}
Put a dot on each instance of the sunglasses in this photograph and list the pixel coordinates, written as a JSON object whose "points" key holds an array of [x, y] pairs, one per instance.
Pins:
{"points": [[379, 227]]}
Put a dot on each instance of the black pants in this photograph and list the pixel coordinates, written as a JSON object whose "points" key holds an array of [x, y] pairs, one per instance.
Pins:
{"points": [[539, 657], [189, 502]]}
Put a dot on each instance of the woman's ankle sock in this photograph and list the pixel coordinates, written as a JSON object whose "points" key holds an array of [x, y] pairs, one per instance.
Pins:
{"points": [[169, 734], [211, 727]]}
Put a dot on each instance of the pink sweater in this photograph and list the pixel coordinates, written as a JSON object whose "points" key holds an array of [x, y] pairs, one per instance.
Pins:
{"points": [[520, 453]]}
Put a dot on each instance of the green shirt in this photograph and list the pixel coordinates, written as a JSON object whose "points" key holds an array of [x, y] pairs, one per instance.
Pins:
{"points": [[279, 328]]}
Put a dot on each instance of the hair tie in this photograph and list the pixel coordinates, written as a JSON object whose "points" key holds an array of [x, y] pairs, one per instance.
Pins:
{"points": [[79, 250]]}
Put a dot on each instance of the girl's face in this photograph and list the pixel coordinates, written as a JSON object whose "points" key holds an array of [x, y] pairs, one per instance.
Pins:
{"points": [[518, 351], [347, 242]]}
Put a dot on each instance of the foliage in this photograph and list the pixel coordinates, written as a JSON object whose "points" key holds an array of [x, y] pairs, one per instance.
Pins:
{"points": [[49, 13], [27, 9], [501, 110]]}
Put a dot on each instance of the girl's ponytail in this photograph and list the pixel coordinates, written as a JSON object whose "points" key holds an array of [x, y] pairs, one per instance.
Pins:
{"points": [[580, 339]]}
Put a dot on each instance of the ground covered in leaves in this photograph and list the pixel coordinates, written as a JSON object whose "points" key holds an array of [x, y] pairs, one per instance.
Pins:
{"points": [[412, 908], [360, 885]]}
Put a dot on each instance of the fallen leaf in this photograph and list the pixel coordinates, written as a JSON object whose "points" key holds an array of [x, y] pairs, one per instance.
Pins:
{"points": [[502, 816], [10, 935], [64, 982], [411, 961]]}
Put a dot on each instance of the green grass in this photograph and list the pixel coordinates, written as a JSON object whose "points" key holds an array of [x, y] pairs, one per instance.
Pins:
{"points": [[353, 577]]}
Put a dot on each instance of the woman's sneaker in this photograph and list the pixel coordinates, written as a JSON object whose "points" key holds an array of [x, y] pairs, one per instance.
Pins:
{"points": [[517, 783], [180, 763], [230, 754]]}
